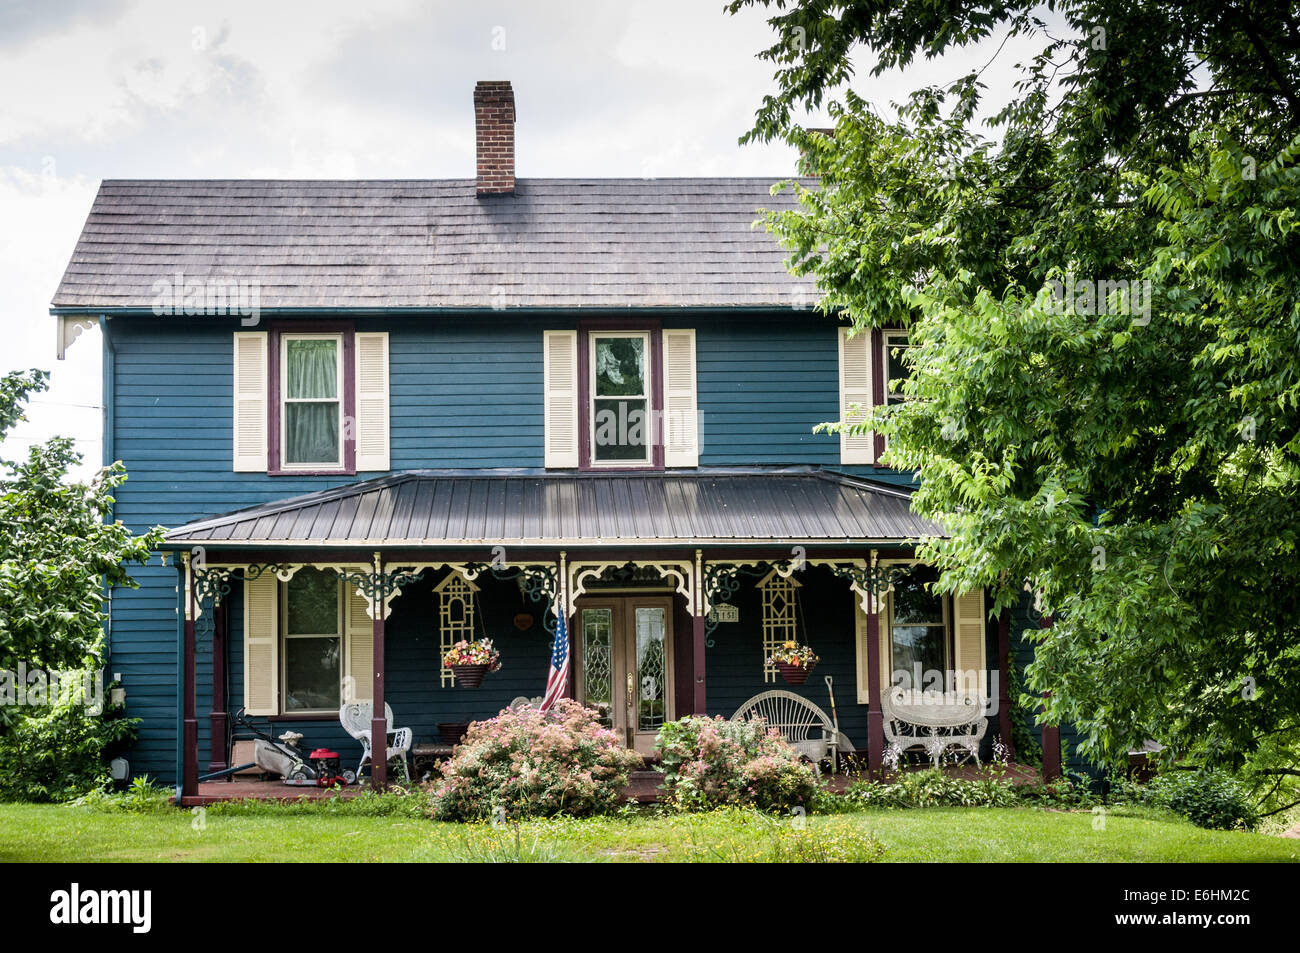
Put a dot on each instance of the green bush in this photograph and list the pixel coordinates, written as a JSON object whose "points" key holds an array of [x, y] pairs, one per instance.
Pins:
{"points": [[1213, 799], [931, 788], [530, 763], [56, 752], [142, 796], [711, 762]]}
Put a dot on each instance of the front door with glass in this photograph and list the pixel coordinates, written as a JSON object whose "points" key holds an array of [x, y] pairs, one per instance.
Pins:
{"points": [[624, 669]]}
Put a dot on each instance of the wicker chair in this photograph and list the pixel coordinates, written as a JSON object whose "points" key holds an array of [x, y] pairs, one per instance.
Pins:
{"points": [[935, 723], [803, 725], [356, 717]]}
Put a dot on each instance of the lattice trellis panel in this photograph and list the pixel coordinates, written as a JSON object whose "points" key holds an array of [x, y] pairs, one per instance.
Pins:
{"points": [[780, 621], [456, 607]]}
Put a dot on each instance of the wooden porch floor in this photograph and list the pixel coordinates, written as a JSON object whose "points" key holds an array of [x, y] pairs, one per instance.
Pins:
{"points": [[643, 787]]}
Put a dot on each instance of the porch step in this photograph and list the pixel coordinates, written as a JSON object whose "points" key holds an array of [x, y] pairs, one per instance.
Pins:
{"points": [[643, 787]]}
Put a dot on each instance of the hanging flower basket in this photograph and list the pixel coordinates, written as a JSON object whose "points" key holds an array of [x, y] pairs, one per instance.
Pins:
{"points": [[795, 662], [470, 661], [795, 674], [469, 676]]}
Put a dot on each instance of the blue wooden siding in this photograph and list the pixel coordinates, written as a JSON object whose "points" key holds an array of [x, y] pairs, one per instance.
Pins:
{"points": [[464, 393]]}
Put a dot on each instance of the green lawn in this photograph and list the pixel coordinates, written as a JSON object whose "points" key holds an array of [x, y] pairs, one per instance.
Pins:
{"points": [[57, 833]]}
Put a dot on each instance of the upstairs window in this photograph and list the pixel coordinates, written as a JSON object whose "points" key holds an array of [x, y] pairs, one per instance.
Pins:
{"points": [[310, 398], [312, 394], [616, 398], [620, 412], [897, 369]]}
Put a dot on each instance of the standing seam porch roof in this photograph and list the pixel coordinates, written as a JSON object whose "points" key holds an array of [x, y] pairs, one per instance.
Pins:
{"points": [[435, 244], [445, 507]]}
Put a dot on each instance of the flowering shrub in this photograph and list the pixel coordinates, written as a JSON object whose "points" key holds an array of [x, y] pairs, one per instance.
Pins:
{"points": [[709, 763], [792, 653], [478, 652], [530, 763]]}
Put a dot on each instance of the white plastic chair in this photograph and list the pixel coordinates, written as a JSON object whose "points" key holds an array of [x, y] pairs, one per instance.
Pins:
{"points": [[356, 717]]}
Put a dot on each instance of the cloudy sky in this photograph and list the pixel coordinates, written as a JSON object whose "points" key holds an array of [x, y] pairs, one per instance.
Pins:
{"points": [[99, 89]]}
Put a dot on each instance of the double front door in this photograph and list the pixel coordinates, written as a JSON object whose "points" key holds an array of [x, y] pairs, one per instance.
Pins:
{"points": [[624, 664]]}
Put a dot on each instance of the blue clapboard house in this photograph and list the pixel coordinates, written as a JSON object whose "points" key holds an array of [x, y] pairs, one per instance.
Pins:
{"points": [[381, 417]]}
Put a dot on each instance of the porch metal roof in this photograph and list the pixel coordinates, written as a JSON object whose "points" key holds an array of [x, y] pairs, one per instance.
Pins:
{"points": [[531, 508]]}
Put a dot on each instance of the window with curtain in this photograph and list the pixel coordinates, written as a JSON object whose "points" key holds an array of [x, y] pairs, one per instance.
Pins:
{"points": [[313, 642], [312, 413], [918, 627]]}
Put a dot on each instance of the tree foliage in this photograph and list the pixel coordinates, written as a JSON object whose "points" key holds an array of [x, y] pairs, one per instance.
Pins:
{"points": [[1137, 467], [59, 550]]}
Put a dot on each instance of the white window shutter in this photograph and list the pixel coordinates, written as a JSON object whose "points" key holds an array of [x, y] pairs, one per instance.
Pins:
{"points": [[372, 401], [969, 642], [360, 686], [261, 645], [250, 395], [681, 418], [560, 386], [855, 388]]}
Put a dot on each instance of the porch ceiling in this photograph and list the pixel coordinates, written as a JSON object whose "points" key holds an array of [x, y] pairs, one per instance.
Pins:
{"points": [[534, 507]]}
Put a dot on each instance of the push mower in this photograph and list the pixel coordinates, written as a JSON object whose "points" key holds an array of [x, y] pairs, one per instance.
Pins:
{"points": [[284, 757]]}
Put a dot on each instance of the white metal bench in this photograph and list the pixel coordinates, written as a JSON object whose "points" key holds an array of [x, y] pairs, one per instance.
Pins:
{"points": [[933, 721], [803, 725]]}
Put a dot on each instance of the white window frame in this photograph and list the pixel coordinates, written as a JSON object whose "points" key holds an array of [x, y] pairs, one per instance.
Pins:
{"points": [[648, 396], [886, 339], [340, 606], [285, 400]]}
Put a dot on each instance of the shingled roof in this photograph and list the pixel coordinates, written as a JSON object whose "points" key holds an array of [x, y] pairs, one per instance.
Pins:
{"points": [[554, 243], [488, 507]]}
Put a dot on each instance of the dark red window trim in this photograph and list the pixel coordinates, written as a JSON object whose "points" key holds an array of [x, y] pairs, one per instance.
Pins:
{"points": [[878, 385], [275, 330], [655, 330]]}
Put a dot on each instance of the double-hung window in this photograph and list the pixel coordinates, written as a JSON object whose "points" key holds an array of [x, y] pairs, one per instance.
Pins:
{"points": [[620, 397], [896, 368], [620, 422], [311, 395], [919, 629], [313, 642]]}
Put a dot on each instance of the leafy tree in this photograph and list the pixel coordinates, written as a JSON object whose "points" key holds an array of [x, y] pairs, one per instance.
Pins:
{"points": [[1100, 286], [58, 551]]}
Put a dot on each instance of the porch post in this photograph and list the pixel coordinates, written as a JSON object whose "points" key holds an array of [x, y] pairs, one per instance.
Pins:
{"points": [[190, 740], [875, 716], [217, 717], [1051, 735], [378, 721], [699, 698], [1051, 752], [1004, 683]]}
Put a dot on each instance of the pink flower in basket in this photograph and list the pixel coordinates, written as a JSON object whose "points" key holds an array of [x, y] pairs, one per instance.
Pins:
{"points": [[478, 652]]}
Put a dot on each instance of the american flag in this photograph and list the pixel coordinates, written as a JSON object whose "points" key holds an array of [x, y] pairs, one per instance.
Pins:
{"points": [[557, 683]]}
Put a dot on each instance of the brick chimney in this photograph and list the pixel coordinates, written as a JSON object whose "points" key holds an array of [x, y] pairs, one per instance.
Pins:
{"points": [[494, 127]]}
